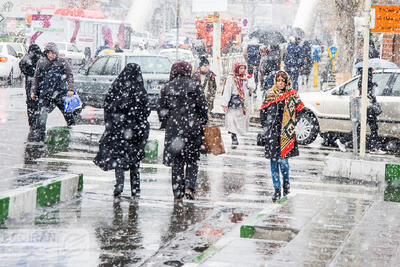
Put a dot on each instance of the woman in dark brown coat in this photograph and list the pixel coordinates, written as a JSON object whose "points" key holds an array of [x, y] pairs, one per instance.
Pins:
{"points": [[182, 111]]}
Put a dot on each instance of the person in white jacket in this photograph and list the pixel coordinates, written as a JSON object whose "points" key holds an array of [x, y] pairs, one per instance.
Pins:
{"points": [[236, 102]]}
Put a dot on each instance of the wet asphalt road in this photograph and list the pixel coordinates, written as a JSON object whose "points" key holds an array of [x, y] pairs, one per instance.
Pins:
{"points": [[152, 230]]}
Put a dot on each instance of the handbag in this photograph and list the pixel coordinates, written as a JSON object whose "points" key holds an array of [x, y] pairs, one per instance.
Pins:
{"points": [[72, 103], [212, 142], [235, 102], [260, 139]]}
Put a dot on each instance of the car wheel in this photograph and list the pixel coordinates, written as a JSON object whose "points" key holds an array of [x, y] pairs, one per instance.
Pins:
{"points": [[10, 79], [306, 128]]}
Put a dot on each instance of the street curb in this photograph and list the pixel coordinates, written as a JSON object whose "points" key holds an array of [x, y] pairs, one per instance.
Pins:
{"points": [[21, 201], [244, 229], [368, 169], [249, 229], [392, 179]]}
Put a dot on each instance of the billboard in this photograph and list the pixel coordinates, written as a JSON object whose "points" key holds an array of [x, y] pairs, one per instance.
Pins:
{"points": [[209, 5]]}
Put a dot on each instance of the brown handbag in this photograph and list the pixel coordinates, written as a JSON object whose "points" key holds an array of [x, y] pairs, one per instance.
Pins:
{"points": [[212, 142]]}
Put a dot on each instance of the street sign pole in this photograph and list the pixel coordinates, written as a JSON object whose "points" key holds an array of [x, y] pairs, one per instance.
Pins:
{"points": [[217, 47], [177, 28], [365, 79]]}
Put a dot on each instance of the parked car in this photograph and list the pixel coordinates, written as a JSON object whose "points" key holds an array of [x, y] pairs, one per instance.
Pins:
{"points": [[71, 52], [92, 83], [327, 113], [9, 63], [183, 54], [20, 48]]}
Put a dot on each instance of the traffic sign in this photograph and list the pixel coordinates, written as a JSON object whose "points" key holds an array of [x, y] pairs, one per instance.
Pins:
{"points": [[316, 52], [245, 21], [387, 19], [332, 51], [1, 18]]}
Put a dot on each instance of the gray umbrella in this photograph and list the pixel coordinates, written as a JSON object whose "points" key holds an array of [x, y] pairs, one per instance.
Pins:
{"points": [[378, 63], [268, 37]]}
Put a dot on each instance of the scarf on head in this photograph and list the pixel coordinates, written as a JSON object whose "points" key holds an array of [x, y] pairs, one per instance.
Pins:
{"points": [[293, 105], [237, 80], [180, 68]]}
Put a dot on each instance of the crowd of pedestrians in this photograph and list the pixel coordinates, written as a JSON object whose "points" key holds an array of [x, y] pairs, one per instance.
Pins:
{"points": [[184, 108]]}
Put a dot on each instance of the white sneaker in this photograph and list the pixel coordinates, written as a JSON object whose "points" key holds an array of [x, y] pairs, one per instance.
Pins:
{"points": [[377, 151], [341, 146]]}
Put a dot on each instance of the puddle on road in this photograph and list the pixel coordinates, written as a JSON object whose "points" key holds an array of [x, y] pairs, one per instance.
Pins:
{"points": [[201, 249], [173, 263]]}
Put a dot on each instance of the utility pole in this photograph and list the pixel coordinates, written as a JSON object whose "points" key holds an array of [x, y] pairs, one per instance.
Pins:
{"points": [[177, 28], [217, 47], [367, 11]]}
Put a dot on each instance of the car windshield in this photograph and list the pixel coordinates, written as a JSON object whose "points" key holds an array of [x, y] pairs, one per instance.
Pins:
{"points": [[61, 46], [172, 55], [16, 47], [149, 64]]}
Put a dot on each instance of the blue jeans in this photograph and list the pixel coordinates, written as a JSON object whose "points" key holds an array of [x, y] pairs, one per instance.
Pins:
{"points": [[284, 166]]}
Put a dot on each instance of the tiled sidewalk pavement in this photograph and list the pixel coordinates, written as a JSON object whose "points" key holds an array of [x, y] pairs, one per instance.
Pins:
{"points": [[324, 224], [375, 241], [327, 231]]}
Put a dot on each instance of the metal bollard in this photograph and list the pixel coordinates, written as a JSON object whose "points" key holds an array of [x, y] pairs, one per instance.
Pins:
{"points": [[355, 117]]}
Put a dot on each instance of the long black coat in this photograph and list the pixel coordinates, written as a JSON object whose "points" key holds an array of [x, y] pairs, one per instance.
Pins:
{"points": [[125, 114], [271, 122], [183, 112]]}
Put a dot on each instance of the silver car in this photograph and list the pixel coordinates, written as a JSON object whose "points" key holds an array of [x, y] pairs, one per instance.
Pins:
{"points": [[327, 113], [93, 82]]}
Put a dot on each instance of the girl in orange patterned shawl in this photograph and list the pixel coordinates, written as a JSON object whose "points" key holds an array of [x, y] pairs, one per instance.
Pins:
{"points": [[278, 118]]}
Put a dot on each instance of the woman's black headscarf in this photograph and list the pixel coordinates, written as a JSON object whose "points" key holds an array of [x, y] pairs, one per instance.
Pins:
{"points": [[180, 68], [35, 51], [127, 90], [129, 82]]}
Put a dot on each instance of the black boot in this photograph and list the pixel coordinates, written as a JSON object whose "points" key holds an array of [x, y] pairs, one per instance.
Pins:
{"points": [[119, 185], [286, 188], [118, 188], [135, 182], [235, 141], [277, 195]]}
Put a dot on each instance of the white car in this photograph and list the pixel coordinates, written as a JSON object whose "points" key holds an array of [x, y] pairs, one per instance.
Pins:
{"points": [[72, 53], [9, 63], [327, 113]]}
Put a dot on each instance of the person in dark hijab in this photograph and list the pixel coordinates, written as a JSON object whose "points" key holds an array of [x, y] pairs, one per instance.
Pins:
{"points": [[182, 110], [28, 67], [122, 144]]}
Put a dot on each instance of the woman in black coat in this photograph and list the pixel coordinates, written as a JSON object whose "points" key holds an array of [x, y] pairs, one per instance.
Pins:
{"points": [[182, 111], [278, 119], [126, 128]]}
